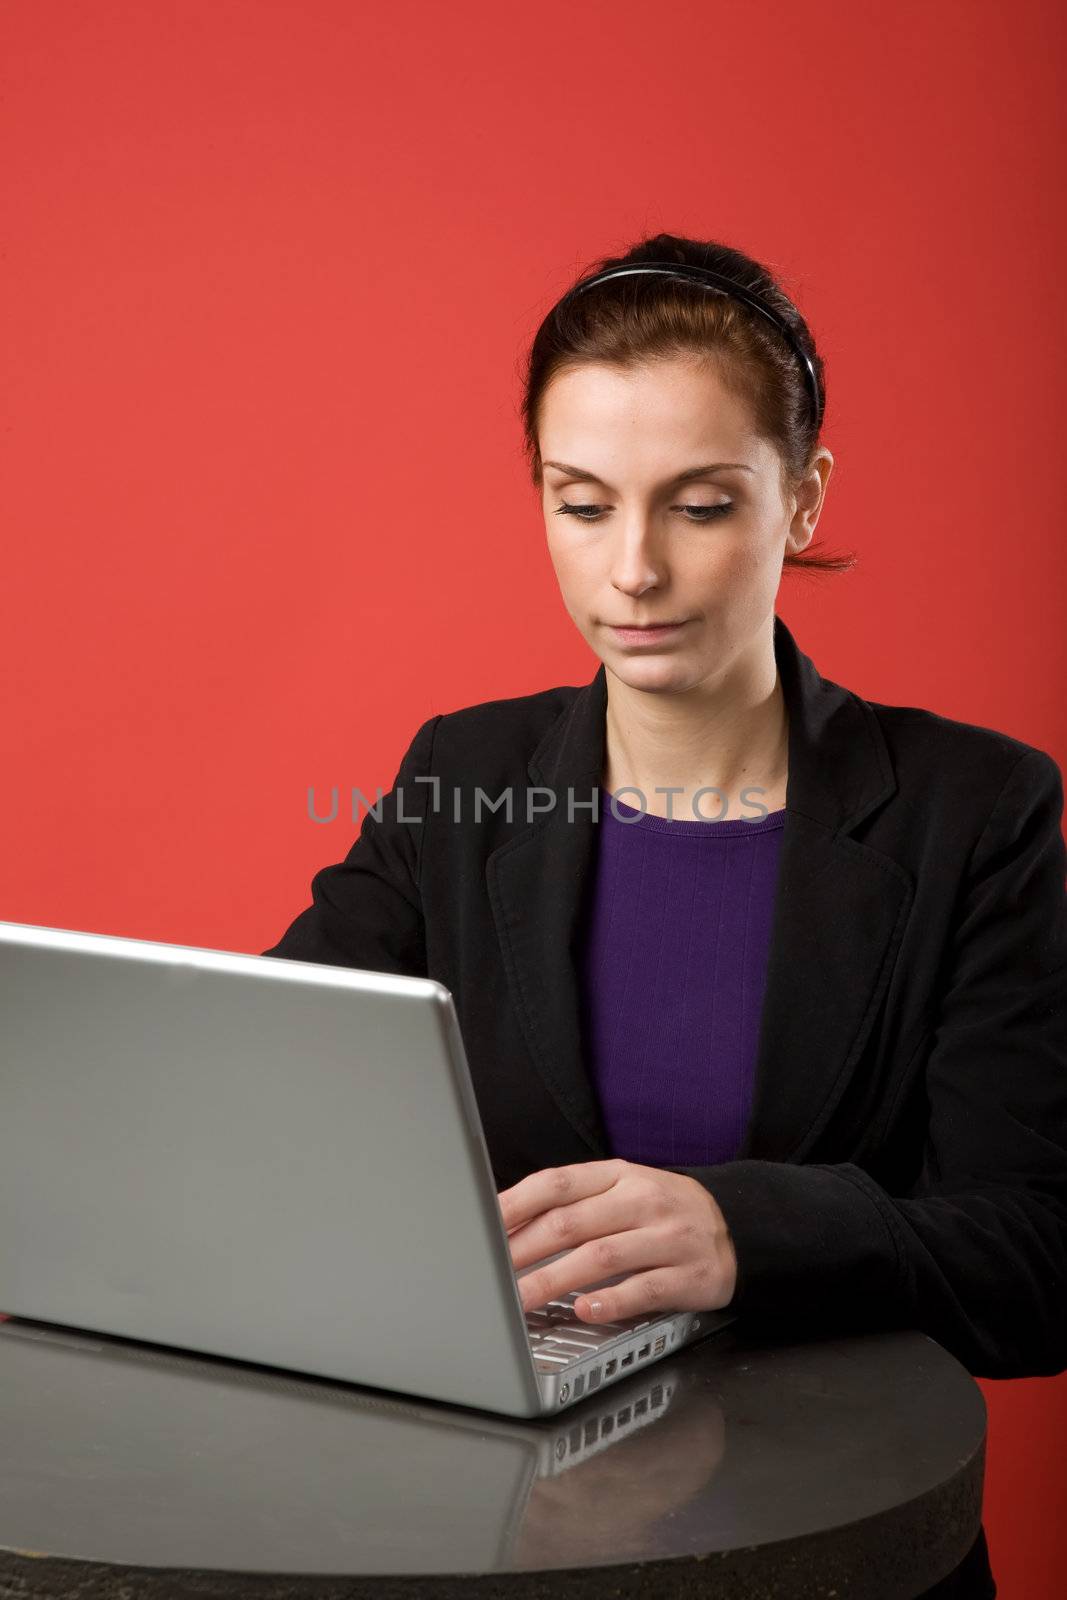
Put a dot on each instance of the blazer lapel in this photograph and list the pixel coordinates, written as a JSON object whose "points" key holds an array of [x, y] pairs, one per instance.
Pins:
{"points": [[839, 912], [536, 882]]}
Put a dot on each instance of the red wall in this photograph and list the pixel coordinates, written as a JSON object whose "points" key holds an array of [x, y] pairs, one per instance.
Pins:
{"points": [[268, 271]]}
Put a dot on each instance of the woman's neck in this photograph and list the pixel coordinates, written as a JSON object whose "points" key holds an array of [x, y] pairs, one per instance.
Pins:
{"points": [[733, 738]]}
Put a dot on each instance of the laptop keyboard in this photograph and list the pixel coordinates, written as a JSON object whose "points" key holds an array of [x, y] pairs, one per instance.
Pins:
{"points": [[558, 1337]]}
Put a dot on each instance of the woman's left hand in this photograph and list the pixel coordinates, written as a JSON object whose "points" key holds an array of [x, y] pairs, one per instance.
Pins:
{"points": [[613, 1217]]}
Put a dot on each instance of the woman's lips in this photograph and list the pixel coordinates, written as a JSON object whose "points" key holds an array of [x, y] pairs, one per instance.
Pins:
{"points": [[646, 635]]}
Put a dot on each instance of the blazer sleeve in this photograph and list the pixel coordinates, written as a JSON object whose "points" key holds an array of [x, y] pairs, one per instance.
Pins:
{"points": [[974, 1253], [366, 910]]}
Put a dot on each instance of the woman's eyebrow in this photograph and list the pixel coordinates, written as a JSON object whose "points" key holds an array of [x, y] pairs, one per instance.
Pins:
{"points": [[581, 476]]}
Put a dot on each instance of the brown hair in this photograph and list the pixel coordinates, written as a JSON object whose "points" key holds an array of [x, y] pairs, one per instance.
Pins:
{"points": [[645, 317]]}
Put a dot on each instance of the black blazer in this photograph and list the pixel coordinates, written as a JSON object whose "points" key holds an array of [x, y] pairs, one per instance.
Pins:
{"points": [[906, 1159]]}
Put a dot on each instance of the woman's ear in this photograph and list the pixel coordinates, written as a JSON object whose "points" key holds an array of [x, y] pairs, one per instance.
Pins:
{"points": [[808, 499]]}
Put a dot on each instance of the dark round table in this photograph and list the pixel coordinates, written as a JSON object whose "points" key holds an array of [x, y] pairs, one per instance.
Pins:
{"points": [[739, 1468]]}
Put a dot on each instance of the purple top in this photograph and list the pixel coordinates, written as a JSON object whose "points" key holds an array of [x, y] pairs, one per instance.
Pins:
{"points": [[671, 976]]}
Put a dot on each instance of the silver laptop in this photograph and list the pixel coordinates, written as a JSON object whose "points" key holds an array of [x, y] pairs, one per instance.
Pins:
{"points": [[276, 1161]]}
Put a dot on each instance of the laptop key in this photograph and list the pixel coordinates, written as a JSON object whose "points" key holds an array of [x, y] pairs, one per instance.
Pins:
{"points": [[595, 1338], [558, 1340]]}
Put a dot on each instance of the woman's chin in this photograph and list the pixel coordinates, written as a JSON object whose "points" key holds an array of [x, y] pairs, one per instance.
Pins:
{"points": [[652, 671]]}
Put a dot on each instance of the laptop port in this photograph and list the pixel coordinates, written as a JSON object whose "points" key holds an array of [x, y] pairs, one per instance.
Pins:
{"points": [[660, 1344], [643, 1352], [609, 1370], [594, 1378], [627, 1361], [579, 1386]]}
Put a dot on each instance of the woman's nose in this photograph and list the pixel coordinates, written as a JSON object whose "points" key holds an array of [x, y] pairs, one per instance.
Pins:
{"points": [[637, 562]]}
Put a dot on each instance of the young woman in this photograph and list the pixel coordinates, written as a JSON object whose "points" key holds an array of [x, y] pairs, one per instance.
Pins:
{"points": [[762, 984]]}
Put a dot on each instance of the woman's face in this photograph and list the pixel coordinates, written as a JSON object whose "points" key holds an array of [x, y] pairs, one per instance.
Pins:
{"points": [[640, 541]]}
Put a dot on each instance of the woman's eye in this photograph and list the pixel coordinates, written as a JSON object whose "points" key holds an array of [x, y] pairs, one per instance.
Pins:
{"points": [[702, 513]]}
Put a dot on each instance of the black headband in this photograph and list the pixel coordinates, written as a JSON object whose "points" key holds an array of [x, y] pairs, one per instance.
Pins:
{"points": [[724, 285]]}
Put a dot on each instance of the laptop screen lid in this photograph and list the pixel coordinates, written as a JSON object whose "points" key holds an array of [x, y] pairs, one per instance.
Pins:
{"points": [[271, 1160]]}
